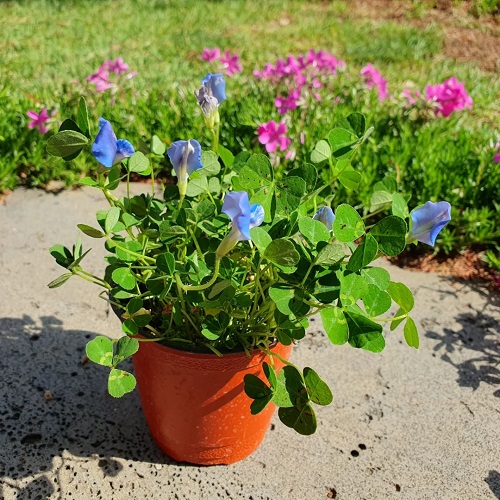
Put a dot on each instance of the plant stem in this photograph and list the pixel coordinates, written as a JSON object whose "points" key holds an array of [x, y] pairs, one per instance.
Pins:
{"points": [[197, 288]]}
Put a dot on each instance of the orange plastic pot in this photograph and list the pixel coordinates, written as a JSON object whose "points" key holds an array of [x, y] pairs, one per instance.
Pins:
{"points": [[195, 405]]}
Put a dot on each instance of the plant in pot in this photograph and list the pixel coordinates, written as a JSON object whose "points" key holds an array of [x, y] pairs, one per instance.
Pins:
{"points": [[216, 279]]}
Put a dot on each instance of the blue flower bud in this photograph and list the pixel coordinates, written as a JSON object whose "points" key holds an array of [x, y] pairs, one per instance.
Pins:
{"points": [[428, 220], [186, 158], [326, 216], [107, 149]]}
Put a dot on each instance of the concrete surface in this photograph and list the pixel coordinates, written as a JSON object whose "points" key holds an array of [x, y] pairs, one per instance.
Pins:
{"points": [[405, 424]]}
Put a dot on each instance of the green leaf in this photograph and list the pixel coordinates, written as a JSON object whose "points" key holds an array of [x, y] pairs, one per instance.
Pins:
{"points": [[282, 252], [254, 387], [112, 217], [357, 123], [129, 327], [364, 254], [348, 224], [60, 280], [396, 322], [341, 141], [66, 143], [100, 351], [301, 419], [113, 178], [376, 301], [290, 389], [124, 277], [349, 178], [259, 404], [402, 295], [390, 234], [289, 192], [63, 255], [69, 124], [125, 347], [88, 181], [352, 288], [90, 231], [308, 173], [321, 152], [260, 238], [157, 146], [364, 333], [270, 374], [330, 254], [399, 206], [138, 163], [166, 263], [210, 162], [131, 246], [380, 200], [226, 156], [377, 276], [120, 383], [318, 391], [197, 184], [411, 333], [82, 117], [335, 325], [288, 300], [134, 305], [313, 230]]}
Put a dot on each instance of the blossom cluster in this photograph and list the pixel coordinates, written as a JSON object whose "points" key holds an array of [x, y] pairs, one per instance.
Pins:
{"points": [[102, 77], [374, 79], [230, 63], [449, 96], [307, 71]]}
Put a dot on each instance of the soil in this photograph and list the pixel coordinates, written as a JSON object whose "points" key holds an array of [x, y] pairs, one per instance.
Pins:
{"points": [[465, 266], [466, 37]]}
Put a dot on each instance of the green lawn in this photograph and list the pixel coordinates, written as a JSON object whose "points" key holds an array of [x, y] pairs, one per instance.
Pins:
{"points": [[47, 49]]}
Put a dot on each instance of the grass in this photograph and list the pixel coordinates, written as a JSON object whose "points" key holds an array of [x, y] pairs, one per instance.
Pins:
{"points": [[49, 47]]}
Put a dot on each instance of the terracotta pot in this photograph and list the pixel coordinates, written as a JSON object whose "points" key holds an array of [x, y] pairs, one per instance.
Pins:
{"points": [[195, 405]]}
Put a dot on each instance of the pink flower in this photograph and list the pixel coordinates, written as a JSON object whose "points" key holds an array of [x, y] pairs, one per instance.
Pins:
{"points": [[373, 79], [231, 63], [449, 96], [496, 157], [273, 136], [38, 120], [119, 66], [411, 96], [210, 55], [101, 80], [288, 102], [131, 75]]}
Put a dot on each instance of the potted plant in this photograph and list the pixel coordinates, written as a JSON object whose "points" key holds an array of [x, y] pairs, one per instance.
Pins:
{"points": [[216, 279]]}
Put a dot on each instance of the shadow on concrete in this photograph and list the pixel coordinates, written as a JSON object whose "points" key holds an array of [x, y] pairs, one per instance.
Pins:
{"points": [[493, 481], [75, 418], [479, 337]]}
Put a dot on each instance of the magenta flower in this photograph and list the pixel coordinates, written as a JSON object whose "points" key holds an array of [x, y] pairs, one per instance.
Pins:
{"points": [[38, 120], [231, 63], [288, 102], [119, 66], [210, 55], [449, 96], [101, 80], [373, 79], [412, 97], [273, 136]]}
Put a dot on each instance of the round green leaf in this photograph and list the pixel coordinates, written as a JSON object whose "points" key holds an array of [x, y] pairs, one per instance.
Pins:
{"points": [[318, 391], [390, 234], [138, 163], [411, 333], [364, 254], [313, 230], [282, 252], [321, 152], [348, 224], [124, 277], [301, 419], [120, 383], [100, 351], [335, 325], [125, 347]]}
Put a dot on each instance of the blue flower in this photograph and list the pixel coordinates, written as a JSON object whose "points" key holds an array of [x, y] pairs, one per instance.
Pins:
{"points": [[186, 158], [107, 149], [215, 85], [326, 216], [211, 93], [428, 220], [243, 216]]}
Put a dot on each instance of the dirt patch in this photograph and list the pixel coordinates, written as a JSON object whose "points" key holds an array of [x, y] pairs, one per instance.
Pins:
{"points": [[466, 266], [466, 38]]}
